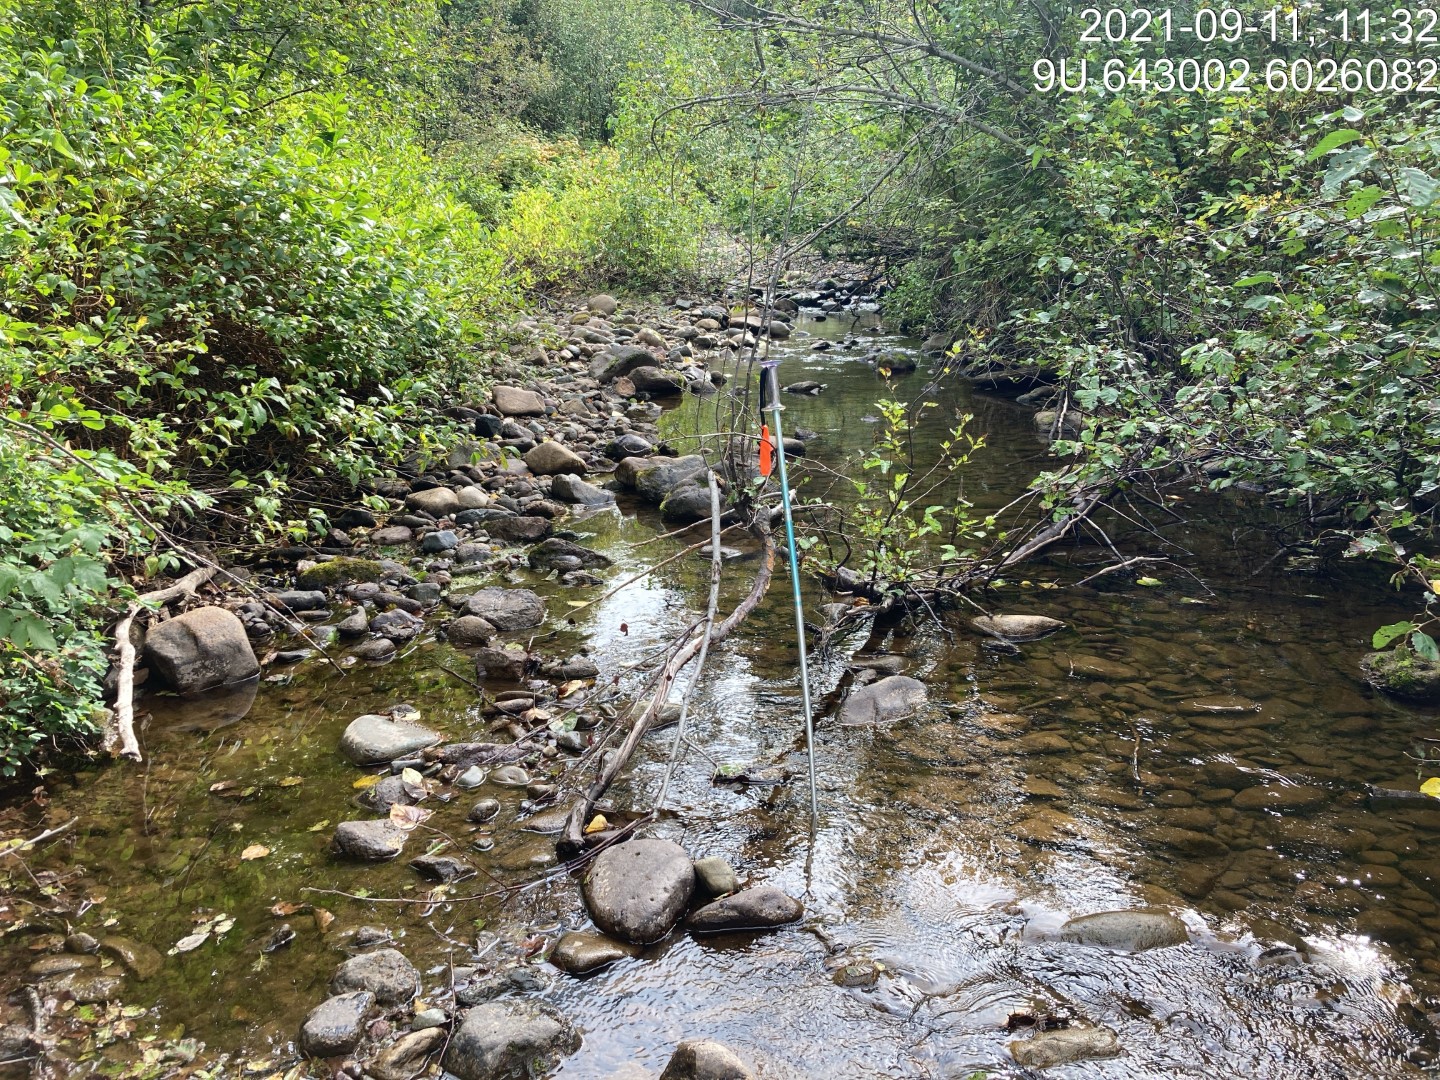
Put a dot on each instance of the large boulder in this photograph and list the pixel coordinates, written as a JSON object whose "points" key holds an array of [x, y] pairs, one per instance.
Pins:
{"points": [[1017, 627], [687, 503], [638, 890], [705, 1059], [201, 650], [370, 841], [618, 361], [550, 458], [385, 973], [653, 478], [571, 489], [512, 401], [603, 304], [469, 631], [518, 529], [1127, 931], [759, 908], [336, 1025], [883, 701], [557, 554], [438, 502], [508, 1040], [373, 739], [506, 609], [648, 379]]}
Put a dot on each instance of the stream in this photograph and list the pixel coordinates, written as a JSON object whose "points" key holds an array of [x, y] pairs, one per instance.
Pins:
{"points": [[1201, 745]]}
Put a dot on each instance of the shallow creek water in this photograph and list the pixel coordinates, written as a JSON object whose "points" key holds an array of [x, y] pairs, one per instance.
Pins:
{"points": [[1089, 772]]}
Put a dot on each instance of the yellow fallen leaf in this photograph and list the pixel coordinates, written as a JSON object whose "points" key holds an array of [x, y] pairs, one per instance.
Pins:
{"points": [[1431, 787], [1435, 585], [291, 781], [366, 781], [597, 824], [323, 919], [577, 603], [254, 851], [571, 687]]}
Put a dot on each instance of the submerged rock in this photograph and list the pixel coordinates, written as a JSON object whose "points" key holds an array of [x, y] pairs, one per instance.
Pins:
{"points": [[468, 631], [759, 908], [557, 554], [201, 650], [506, 609], [1051, 1048], [883, 701], [1017, 627], [373, 841], [500, 1040], [705, 1059], [638, 890], [407, 1057], [336, 1025], [1130, 931], [579, 952], [372, 739], [385, 973]]}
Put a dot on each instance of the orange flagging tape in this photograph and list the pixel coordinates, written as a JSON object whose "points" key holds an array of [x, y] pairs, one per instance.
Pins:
{"points": [[767, 451]]}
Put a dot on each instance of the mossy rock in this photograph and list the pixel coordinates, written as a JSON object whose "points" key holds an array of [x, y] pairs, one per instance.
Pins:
{"points": [[342, 570], [1403, 674]]}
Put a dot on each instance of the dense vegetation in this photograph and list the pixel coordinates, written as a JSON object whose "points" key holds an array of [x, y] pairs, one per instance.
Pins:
{"points": [[248, 250]]}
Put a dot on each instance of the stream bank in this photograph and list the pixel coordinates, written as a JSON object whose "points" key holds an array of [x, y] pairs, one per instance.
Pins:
{"points": [[1198, 751]]}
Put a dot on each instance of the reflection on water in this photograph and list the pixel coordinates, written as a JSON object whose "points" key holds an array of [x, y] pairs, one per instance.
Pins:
{"points": [[1202, 746]]}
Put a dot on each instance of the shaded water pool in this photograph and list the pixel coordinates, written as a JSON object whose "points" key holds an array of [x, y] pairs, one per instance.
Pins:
{"points": [[1201, 746]]}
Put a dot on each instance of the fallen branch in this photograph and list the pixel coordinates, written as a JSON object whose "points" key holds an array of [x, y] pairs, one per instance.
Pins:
{"points": [[46, 835], [120, 731], [572, 841]]}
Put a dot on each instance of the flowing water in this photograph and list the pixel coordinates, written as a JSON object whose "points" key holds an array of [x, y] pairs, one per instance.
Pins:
{"points": [[1105, 767]]}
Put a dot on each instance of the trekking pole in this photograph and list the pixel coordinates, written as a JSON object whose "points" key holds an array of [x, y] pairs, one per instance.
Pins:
{"points": [[770, 403]]}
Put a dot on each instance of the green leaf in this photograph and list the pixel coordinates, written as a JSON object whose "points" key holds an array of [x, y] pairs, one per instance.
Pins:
{"points": [[1386, 634], [1263, 278], [1425, 645], [1332, 141]]}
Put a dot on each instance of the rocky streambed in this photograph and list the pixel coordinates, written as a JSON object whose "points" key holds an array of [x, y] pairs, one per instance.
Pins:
{"points": [[1145, 844]]}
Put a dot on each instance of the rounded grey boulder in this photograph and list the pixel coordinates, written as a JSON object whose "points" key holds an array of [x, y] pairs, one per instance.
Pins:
{"points": [[336, 1024], [579, 952], [372, 739], [509, 1039], [1131, 931], [1017, 627], [705, 1059], [759, 908], [883, 701], [1063, 1047], [200, 650], [385, 973], [506, 609], [372, 841], [638, 890]]}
